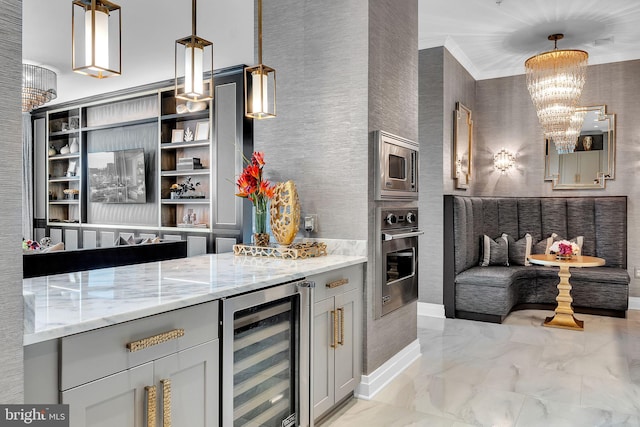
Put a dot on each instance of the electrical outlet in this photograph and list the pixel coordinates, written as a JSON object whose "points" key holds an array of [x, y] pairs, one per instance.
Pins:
{"points": [[637, 272], [311, 223]]}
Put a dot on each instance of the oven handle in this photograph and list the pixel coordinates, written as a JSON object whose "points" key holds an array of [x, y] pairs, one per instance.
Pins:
{"points": [[387, 236]]}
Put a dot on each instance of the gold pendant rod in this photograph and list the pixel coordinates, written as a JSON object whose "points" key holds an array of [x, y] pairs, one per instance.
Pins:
{"points": [[259, 31]]}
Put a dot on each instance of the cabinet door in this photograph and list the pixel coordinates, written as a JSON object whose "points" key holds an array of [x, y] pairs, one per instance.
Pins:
{"points": [[323, 357], [347, 353], [116, 400], [193, 376]]}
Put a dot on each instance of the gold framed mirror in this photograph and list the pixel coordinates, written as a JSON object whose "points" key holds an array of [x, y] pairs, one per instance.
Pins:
{"points": [[462, 146], [593, 161]]}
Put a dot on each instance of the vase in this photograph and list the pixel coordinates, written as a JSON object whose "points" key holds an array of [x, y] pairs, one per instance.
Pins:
{"points": [[285, 213], [74, 147], [260, 235], [563, 257]]}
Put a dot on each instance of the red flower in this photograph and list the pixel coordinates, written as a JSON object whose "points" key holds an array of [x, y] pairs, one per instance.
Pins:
{"points": [[257, 159]]}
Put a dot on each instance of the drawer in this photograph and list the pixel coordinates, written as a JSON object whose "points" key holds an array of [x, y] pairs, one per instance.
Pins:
{"points": [[336, 282], [94, 354]]}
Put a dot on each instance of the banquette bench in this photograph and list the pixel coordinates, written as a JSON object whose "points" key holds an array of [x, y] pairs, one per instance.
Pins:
{"points": [[489, 293]]}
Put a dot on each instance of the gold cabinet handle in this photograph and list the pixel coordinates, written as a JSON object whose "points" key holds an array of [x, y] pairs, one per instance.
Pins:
{"points": [[151, 405], [337, 283], [334, 343], [166, 402], [341, 311], [154, 340]]}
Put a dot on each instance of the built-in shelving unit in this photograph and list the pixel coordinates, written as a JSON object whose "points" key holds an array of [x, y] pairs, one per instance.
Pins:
{"points": [[200, 143]]}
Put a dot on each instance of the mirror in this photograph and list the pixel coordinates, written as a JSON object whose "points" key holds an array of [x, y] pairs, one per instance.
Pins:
{"points": [[593, 161], [462, 144]]}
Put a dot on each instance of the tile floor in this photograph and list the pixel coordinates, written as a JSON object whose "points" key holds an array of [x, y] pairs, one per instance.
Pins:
{"points": [[515, 374]]}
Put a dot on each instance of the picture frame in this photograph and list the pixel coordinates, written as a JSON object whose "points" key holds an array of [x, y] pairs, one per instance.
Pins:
{"points": [[202, 131], [177, 135]]}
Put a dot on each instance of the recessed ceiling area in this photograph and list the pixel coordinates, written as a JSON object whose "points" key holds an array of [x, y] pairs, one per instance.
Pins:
{"points": [[490, 38]]}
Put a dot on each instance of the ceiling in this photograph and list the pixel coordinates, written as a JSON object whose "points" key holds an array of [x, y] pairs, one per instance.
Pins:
{"points": [[491, 38]]}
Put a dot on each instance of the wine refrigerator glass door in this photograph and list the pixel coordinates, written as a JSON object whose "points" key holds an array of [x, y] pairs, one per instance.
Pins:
{"points": [[264, 347]]}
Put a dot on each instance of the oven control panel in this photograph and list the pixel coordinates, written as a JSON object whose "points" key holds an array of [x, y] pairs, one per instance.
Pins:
{"points": [[393, 218]]}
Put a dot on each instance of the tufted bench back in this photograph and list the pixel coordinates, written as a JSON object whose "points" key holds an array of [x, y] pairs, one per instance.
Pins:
{"points": [[601, 220]]}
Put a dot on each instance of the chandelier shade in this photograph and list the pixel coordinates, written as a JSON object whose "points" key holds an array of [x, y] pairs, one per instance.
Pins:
{"points": [[193, 55], [555, 80], [96, 38], [39, 86], [260, 84]]}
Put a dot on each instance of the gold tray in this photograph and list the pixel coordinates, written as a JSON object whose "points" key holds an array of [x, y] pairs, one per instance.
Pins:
{"points": [[294, 251]]}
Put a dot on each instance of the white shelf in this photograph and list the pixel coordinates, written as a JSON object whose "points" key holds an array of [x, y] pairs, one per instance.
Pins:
{"points": [[186, 201], [65, 179], [186, 172]]}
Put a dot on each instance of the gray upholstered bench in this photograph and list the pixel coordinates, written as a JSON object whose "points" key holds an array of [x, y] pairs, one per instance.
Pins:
{"points": [[490, 293]]}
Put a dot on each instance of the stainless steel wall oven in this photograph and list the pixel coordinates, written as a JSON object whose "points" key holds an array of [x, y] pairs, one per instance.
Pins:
{"points": [[265, 360], [397, 283]]}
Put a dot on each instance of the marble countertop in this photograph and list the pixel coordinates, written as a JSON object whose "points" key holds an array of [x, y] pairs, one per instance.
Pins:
{"points": [[65, 304]]}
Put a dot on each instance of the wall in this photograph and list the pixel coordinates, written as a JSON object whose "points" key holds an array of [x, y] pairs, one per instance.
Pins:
{"points": [[11, 303], [442, 83], [335, 62], [506, 118], [393, 107]]}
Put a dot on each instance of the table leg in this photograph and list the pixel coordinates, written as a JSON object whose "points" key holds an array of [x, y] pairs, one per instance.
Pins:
{"points": [[564, 313]]}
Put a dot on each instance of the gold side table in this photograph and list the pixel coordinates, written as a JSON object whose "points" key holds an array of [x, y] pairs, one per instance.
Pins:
{"points": [[564, 312]]}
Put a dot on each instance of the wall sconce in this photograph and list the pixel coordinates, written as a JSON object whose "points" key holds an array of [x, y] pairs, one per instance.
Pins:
{"points": [[503, 161], [96, 31], [192, 54], [259, 84]]}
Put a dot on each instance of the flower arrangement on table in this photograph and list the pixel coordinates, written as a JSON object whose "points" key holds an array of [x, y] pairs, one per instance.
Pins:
{"points": [[180, 190], [564, 249], [252, 186]]}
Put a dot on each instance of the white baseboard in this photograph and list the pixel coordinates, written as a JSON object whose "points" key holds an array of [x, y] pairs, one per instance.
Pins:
{"points": [[634, 303], [431, 310], [371, 384]]}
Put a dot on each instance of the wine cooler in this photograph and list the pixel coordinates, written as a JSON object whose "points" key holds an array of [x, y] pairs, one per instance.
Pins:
{"points": [[265, 358]]}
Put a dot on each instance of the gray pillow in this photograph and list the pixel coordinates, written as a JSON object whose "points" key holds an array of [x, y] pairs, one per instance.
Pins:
{"points": [[542, 247], [494, 252], [519, 250]]}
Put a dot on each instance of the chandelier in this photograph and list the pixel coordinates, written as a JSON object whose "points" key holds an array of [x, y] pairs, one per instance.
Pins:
{"points": [[555, 80], [39, 86]]}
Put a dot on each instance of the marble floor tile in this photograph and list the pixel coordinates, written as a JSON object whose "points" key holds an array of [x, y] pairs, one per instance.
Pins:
{"points": [[518, 373]]}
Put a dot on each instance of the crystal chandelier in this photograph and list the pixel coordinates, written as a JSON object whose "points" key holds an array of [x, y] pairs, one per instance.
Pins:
{"points": [[555, 80], [39, 86]]}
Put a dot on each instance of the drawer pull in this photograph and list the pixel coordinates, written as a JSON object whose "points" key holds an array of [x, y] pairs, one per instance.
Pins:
{"points": [[166, 403], [155, 340], [337, 283], [151, 405]]}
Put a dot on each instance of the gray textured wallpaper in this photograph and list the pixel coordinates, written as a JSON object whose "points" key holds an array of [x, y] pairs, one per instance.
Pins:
{"points": [[11, 323]]}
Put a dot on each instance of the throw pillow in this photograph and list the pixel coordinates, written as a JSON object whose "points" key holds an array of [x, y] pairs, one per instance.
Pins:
{"points": [[519, 250], [121, 241], [494, 252], [542, 247]]}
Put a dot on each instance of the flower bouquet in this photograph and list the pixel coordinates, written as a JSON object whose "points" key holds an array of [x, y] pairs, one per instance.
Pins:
{"points": [[564, 249], [252, 186]]}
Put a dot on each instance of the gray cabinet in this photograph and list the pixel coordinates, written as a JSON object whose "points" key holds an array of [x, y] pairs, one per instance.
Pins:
{"points": [[146, 372], [336, 341]]}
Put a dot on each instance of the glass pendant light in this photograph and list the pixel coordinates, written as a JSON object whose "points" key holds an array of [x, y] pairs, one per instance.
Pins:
{"points": [[193, 53], [555, 80], [260, 84], [96, 38]]}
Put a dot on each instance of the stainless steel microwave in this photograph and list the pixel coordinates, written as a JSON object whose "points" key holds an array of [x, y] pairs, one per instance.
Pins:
{"points": [[396, 167]]}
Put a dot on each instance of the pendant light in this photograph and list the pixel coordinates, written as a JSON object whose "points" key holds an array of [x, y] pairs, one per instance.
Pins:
{"points": [[96, 38], [193, 53], [555, 80], [259, 84], [39, 86]]}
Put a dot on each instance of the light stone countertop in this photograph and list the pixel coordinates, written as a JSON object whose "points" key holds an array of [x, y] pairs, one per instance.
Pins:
{"points": [[65, 304]]}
